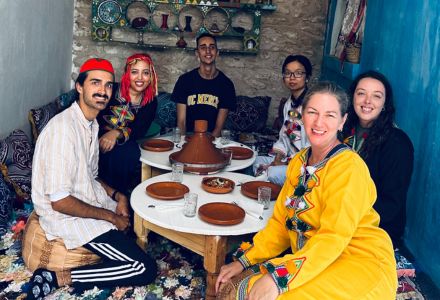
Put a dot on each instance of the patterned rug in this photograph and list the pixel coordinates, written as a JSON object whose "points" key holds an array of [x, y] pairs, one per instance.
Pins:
{"points": [[181, 273]]}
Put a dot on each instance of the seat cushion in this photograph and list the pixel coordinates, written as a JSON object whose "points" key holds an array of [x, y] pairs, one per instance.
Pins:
{"points": [[16, 154], [39, 117], [166, 113], [250, 114], [38, 252]]}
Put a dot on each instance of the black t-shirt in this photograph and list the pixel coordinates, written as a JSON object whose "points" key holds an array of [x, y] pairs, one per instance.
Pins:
{"points": [[203, 97]]}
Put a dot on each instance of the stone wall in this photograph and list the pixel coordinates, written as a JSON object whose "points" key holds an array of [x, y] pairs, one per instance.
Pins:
{"points": [[297, 26]]}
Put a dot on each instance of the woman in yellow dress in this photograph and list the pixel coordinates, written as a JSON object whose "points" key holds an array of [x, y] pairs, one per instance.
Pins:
{"points": [[325, 215]]}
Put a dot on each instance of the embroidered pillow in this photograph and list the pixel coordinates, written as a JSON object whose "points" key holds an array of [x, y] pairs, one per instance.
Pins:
{"points": [[6, 204], [166, 114], [39, 117], [16, 155], [250, 114], [65, 100]]}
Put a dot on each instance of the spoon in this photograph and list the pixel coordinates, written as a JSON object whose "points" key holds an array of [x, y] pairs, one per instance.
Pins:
{"points": [[249, 213]]}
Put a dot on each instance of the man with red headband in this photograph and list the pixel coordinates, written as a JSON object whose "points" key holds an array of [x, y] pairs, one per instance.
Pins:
{"points": [[127, 118], [204, 93], [76, 207]]}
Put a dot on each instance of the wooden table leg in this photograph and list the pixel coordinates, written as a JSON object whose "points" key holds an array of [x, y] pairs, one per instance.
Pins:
{"points": [[145, 172], [141, 232], [214, 258]]}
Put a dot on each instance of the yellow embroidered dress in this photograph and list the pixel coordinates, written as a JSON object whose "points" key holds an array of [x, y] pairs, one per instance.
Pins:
{"points": [[324, 214]]}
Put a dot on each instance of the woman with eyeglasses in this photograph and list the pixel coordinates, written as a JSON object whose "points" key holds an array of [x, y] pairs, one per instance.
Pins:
{"points": [[296, 71], [127, 118], [324, 215], [388, 152]]}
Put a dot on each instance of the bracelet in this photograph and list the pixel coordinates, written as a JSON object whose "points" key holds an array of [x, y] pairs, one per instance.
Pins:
{"points": [[114, 195]]}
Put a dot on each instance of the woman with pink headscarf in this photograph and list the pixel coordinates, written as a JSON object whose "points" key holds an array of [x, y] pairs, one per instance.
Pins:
{"points": [[127, 118]]}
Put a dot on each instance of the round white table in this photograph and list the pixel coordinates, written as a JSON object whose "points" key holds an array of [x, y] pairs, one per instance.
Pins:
{"points": [[160, 160], [207, 240]]}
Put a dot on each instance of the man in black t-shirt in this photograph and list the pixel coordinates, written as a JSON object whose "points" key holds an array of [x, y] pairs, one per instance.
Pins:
{"points": [[204, 93]]}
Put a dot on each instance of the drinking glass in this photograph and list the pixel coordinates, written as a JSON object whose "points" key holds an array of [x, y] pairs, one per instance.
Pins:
{"points": [[190, 204], [177, 172], [176, 135], [226, 136], [264, 194], [227, 153]]}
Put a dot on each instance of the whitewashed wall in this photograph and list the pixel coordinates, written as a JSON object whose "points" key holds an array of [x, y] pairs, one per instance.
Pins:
{"points": [[35, 57]]}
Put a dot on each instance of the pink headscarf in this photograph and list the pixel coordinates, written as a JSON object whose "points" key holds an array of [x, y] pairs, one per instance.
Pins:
{"points": [[151, 90]]}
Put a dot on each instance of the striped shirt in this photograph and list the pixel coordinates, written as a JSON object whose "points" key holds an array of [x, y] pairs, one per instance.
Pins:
{"points": [[66, 162]]}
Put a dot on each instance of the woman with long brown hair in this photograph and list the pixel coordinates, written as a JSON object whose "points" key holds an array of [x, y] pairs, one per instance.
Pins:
{"points": [[388, 152]]}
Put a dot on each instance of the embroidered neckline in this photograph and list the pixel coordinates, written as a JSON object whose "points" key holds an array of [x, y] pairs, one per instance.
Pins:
{"points": [[306, 182]]}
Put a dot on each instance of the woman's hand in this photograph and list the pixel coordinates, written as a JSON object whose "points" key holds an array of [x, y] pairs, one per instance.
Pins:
{"points": [[263, 289], [108, 140], [227, 272]]}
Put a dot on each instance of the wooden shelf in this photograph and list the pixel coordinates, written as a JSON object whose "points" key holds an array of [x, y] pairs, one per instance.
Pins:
{"points": [[241, 22]]}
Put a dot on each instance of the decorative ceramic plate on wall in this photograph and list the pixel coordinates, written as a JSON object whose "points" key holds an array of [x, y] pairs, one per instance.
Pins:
{"points": [[109, 12]]}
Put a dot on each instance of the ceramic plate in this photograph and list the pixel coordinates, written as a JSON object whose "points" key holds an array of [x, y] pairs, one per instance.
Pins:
{"points": [[217, 185], [157, 145], [240, 152], [220, 213], [250, 189], [167, 190]]}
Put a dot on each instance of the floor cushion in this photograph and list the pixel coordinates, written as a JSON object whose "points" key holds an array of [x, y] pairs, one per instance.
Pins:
{"points": [[16, 154], [250, 114], [38, 252], [7, 198]]}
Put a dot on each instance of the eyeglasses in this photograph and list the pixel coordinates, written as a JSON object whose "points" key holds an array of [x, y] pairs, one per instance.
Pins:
{"points": [[296, 74]]}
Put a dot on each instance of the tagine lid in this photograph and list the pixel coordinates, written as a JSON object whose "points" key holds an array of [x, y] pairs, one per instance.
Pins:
{"points": [[200, 149]]}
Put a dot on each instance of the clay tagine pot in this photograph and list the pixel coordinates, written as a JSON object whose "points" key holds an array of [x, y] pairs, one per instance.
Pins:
{"points": [[199, 155]]}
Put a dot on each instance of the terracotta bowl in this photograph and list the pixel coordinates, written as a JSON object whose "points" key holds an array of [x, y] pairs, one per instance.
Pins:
{"points": [[220, 213], [250, 189], [167, 190], [240, 152], [157, 145], [217, 185]]}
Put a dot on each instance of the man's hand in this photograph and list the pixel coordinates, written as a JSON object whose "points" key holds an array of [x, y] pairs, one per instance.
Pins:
{"points": [[278, 161], [108, 140], [122, 223], [122, 208], [227, 272], [263, 289]]}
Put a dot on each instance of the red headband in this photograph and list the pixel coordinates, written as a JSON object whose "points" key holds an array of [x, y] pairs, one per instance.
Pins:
{"points": [[151, 90], [97, 64]]}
